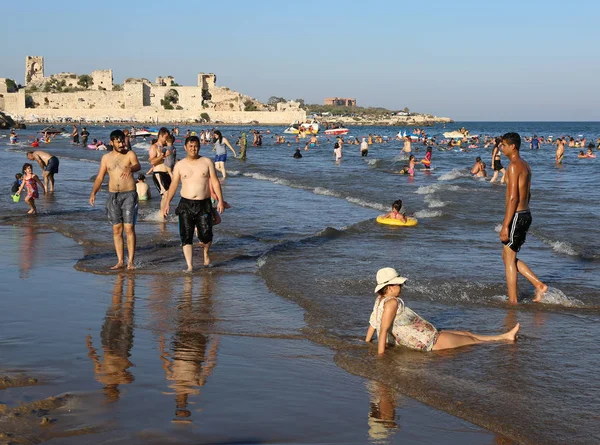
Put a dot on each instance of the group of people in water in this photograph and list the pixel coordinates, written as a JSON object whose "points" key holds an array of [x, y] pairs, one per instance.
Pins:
{"points": [[395, 323], [202, 203]]}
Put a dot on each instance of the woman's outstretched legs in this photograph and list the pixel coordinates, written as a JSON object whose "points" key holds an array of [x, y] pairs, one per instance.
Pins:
{"points": [[456, 339]]}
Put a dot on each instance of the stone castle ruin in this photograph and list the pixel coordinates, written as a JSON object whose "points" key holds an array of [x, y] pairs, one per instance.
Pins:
{"points": [[94, 97]]}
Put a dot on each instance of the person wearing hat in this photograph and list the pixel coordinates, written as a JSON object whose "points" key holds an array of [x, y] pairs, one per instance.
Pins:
{"points": [[397, 324]]}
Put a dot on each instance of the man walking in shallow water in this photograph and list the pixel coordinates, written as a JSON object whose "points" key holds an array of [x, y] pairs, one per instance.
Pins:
{"points": [[196, 174], [122, 202], [517, 218]]}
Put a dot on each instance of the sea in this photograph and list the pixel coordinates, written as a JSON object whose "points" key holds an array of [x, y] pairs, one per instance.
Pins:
{"points": [[267, 344]]}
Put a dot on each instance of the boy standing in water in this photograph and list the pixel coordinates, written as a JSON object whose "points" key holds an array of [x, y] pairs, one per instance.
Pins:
{"points": [[517, 218], [122, 202]]}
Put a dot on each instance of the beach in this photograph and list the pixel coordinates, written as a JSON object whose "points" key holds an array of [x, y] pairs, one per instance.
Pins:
{"points": [[266, 345]]}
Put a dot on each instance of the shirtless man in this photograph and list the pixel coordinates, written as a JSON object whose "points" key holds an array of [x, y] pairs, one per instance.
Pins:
{"points": [[160, 172], [48, 164], [517, 218], [407, 145], [195, 208], [122, 202], [560, 150], [478, 169]]}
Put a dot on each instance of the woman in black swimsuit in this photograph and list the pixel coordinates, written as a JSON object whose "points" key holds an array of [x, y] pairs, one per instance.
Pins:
{"points": [[496, 162]]}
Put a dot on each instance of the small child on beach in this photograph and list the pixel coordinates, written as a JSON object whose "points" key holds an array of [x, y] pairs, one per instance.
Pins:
{"points": [[395, 213], [30, 181]]}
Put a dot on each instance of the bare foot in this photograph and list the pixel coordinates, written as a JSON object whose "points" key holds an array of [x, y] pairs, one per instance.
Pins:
{"points": [[31, 212], [206, 259], [188, 270], [119, 265], [130, 266], [539, 293], [512, 334]]}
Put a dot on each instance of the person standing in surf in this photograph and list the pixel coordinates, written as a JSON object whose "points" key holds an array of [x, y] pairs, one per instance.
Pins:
{"points": [[517, 218], [122, 202], [157, 156], [497, 162], [221, 145], [197, 174]]}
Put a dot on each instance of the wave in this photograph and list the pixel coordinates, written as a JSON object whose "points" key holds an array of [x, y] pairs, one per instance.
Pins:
{"points": [[435, 203], [272, 179], [141, 145], [563, 247], [455, 173], [372, 205], [428, 213], [429, 189], [326, 192], [557, 297]]}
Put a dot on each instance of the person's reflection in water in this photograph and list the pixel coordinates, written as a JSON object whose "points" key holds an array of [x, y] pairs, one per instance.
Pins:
{"points": [[382, 415], [194, 354], [28, 250], [117, 341]]}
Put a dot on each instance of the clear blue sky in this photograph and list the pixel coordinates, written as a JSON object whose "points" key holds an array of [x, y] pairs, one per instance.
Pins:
{"points": [[469, 60]]}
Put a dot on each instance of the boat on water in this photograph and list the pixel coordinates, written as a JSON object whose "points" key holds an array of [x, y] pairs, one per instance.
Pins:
{"points": [[459, 135], [308, 127], [53, 130], [142, 133], [336, 131]]}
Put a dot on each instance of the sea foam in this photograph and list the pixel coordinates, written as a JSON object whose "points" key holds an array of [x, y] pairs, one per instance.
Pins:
{"points": [[428, 213]]}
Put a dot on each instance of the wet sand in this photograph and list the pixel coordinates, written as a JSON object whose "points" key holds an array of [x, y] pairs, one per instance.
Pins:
{"points": [[133, 359]]}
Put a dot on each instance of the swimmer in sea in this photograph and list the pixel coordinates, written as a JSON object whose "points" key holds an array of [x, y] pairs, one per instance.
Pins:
{"points": [[313, 141], [478, 170], [395, 213], [395, 323], [407, 145], [560, 150]]}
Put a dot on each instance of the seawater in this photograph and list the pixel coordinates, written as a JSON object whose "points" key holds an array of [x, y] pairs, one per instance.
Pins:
{"points": [[307, 229]]}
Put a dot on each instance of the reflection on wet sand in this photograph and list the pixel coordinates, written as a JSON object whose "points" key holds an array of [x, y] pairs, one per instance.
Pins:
{"points": [[382, 413], [28, 250], [117, 340], [193, 353]]}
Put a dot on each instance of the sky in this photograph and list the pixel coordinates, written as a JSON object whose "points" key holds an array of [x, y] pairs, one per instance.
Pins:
{"points": [[467, 60]]}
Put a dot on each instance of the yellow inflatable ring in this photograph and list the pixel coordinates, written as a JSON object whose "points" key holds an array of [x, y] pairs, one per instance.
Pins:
{"points": [[410, 221]]}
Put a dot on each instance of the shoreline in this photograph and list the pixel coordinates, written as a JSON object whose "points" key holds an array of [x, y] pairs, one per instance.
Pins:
{"points": [[290, 376]]}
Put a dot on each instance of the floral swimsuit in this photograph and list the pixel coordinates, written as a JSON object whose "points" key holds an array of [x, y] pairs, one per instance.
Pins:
{"points": [[408, 328]]}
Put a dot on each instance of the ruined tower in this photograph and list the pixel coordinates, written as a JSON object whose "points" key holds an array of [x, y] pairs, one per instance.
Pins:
{"points": [[34, 69]]}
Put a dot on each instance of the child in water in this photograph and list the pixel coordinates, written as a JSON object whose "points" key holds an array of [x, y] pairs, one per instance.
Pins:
{"points": [[426, 161], [395, 213], [410, 168], [16, 186], [337, 151], [397, 324], [30, 181]]}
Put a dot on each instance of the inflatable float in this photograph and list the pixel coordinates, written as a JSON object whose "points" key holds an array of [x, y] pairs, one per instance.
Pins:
{"points": [[410, 221]]}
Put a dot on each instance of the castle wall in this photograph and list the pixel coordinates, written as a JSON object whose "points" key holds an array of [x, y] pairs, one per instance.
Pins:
{"points": [[80, 100], [103, 79], [34, 69]]}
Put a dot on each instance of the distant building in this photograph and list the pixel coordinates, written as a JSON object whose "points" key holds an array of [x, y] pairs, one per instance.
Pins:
{"points": [[340, 101]]}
